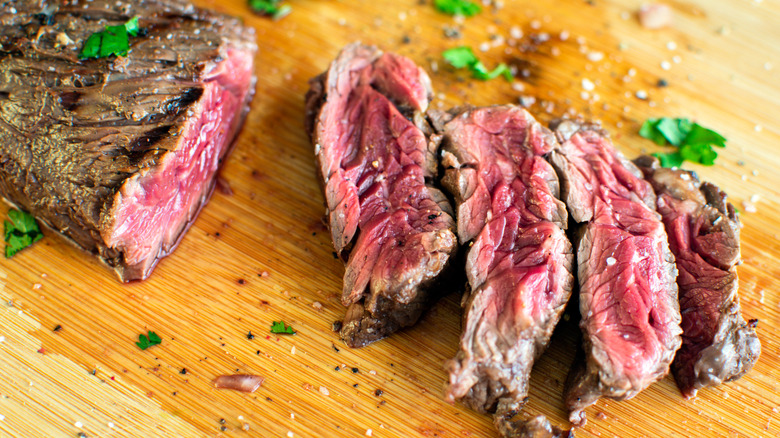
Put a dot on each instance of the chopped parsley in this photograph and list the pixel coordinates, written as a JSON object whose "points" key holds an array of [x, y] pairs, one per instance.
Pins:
{"points": [[281, 329], [466, 8], [20, 232], [694, 142], [115, 40], [270, 8], [464, 57], [145, 342]]}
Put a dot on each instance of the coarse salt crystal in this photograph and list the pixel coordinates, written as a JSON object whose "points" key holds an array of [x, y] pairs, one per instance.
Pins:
{"points": [[671, 45], [595, 56], [749, 207], [584, 95], [536, 24], [611, 261], [632, 72], [369, 432], [755, 198], [641, 94], [292, 416], [324, 390], [588, 85], [289, 434], [2, 417], [292, 350], [666, 65], [516, 32], [484, 47], [767, 66], [78, 424], [564, 35], [110, 424], [758, 128], [2, 338], [676, 59]]}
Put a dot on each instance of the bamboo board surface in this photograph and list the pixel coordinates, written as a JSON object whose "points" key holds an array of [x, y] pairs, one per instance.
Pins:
{"points": [[262, 254]]}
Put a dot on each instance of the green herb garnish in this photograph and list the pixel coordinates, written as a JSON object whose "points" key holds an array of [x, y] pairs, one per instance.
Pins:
{"points": [[694, 142], [464, 57], [279, 328], [458, 7], [145, 342], [115, 40], [20, 232], [270, 8]]}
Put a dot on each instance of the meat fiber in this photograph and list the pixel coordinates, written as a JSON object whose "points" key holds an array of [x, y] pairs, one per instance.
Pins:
{"points": [[119, 154], [519, 265], [395, 231], [718, 345], [628, 295]]}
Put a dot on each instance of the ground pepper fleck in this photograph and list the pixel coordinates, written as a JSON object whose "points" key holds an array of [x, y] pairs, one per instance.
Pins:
{"points": [[355, 370], [378, 393], [250, 335]]}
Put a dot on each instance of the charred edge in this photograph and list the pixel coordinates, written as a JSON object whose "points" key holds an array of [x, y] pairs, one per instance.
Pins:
{"points": [[188, 98]]}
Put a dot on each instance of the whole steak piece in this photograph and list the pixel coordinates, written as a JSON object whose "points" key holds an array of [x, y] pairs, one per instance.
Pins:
{"points": [[718, 345], [119, 154], [365, 116], [628, 295], [519, 265]]}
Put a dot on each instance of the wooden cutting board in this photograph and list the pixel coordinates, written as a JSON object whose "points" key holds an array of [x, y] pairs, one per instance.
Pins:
{"points": [[262, 254]]}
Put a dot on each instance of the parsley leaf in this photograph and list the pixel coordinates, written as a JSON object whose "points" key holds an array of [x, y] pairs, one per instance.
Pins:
{"points": [[20, 232], [694, 142], [145, 342], [464, 57], [279, 328], [270, 8], [458, 7], [115, 40]]}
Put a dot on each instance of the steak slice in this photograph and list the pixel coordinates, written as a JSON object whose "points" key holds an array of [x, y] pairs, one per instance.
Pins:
{"points": [[119, 154], [519, 266], [628, 295], [393, 229], [717, 344]]}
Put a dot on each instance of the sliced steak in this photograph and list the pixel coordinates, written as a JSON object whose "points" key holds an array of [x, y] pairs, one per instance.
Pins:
{"points": [[519, 265], [119, 154], [395, 231], [718, 345], [628, 295]]}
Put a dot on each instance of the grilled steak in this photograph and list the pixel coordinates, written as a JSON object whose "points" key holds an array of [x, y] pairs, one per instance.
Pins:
{"points": [[520, 261], [628, 295], [718, 345], [119, 154], [365, 118]]}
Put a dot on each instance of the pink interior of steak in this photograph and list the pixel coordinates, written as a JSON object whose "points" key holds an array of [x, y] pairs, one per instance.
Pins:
{"points": [[631, 312], [153, 208], [519, 266], [376, 163]]}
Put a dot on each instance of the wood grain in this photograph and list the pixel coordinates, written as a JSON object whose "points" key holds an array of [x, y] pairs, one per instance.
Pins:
{"points": [[205, 298]]}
